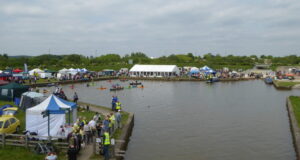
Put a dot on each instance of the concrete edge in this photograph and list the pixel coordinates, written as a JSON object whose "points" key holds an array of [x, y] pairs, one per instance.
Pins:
{"points": [[295, 131], [125, 136]]}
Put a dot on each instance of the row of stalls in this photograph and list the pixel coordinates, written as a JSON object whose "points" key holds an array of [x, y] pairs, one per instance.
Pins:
{"points": [[204, 70], [10, 74]]}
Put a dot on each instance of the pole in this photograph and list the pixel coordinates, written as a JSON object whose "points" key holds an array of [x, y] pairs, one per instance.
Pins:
{"points": [[69, 116], [48, 123]]}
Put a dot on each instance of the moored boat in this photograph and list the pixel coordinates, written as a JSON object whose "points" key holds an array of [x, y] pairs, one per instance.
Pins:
{"points": [[269, 80]]}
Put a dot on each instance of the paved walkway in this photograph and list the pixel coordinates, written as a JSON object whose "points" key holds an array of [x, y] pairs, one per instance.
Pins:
{"points": [[87, 152]]}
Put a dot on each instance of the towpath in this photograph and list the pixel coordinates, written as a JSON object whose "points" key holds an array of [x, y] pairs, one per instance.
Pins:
{"points": [[87, 152]]}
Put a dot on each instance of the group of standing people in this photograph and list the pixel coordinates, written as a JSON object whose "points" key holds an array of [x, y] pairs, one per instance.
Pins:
{"points": [[84, 132]]}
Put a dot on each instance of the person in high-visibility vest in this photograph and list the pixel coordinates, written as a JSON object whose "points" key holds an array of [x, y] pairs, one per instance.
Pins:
{"points": [[112, 122], [118, 106], [106, 144]]}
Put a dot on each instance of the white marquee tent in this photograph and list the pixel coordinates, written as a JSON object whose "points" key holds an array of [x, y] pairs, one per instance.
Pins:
{"points": [[154, 70]]}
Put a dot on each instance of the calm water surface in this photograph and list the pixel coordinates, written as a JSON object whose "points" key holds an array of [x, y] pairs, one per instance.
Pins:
{"points": [[194, 120]]}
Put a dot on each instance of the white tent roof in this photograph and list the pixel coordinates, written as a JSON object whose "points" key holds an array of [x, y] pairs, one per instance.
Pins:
{"points": [[154, 68], [36, 70], [1, 71], [33, 94], [38, 109], [72, 70], [194, 69], [63, 70]]}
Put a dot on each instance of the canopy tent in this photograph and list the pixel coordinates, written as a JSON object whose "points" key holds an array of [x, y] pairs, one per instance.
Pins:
{"points": [[207, 70], [72, 70], [2, 82], [30, 99], [64, 70], [1, 71], [35, 71], [7, 71], [17, 70], [84, 70], [194, 70], [4, 76], [11, 91], [37, 122]]}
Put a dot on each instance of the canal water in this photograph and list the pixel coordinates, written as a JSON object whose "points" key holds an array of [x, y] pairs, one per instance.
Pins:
{"points": [[194, 120]]}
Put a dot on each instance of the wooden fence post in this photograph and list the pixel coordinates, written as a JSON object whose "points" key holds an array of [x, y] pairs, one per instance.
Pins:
{"points": [[3, 140], [26, 141]]}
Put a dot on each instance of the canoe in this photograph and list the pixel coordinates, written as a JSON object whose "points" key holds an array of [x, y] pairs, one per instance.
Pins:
{"points": [[116, 89], [138, 83], [102, 88]]}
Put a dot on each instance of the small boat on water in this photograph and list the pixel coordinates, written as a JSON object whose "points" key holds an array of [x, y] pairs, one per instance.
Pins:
{"points": [[102, 88], [123, 80], [135, 83], [269, 80], [212, 80], [116, 89]]}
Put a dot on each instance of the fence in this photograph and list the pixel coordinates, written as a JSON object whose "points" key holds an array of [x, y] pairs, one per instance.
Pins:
{"points": [[30, 141]]}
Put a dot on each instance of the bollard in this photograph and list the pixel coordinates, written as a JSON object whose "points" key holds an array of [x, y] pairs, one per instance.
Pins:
{"points": [[112, 145]]}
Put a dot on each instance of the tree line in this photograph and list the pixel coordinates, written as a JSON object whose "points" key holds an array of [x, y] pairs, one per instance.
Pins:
{"points": [[115, 61]]}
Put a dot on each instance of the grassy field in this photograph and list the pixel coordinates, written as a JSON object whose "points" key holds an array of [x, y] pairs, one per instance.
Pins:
{"points": [[285, 83], [9, 153], [295, 100]]}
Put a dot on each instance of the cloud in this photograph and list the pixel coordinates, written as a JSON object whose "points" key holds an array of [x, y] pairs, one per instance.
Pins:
{"points": [[152, 26]]}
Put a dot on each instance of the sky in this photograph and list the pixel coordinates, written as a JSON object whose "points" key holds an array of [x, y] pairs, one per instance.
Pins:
{"points": [[155, 27]]}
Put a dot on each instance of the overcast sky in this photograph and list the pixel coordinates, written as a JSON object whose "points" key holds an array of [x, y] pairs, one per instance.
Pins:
{"points": [[155, 27]]}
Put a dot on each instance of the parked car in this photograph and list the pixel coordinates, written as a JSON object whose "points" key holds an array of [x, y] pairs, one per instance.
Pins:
{"points": [[10, 111], [9, 124], [4, 107]]}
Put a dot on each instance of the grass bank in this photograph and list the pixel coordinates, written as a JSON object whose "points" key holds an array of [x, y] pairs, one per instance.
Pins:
{"points": [[285, 84], [295, 100]]}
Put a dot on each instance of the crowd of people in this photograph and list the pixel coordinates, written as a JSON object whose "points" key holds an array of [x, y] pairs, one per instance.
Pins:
{"points": [[84, 132]]}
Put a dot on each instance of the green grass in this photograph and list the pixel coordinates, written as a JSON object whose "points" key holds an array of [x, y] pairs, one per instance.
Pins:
{"points": [[295, 100], [286, 83], [18, 153], [118, 131], [42, 81]]}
